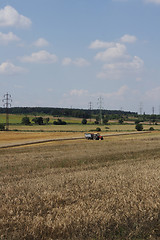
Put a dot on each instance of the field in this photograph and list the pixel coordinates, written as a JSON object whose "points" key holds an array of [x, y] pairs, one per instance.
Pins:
{"points": [[17, 118], [73, 125], [14, 138], [80, 128], [81, 189]]}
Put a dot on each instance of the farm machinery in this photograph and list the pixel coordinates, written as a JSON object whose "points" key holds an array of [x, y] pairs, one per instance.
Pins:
{"points": [[93, 136]]}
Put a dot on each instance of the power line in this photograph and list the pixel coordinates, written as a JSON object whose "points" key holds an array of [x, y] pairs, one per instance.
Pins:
{"points": [[7, 103]]}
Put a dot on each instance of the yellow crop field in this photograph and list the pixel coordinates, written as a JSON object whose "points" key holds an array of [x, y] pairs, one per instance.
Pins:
{"points": [[11, 137], [82, 189]]}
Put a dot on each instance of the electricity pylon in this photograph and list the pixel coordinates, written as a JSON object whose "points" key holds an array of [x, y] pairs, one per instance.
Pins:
{"points": [[100, 100], [7, 103]]}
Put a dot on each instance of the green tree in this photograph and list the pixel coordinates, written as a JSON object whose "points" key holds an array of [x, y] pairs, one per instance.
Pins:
{"points": [[46, 120], [97, 120], [105, 120], [139, 127], [84, 121], [137, 121], [26, 121], [59, 122], [153, 118], [2, 126], [151, 129], [38, 120], [121, 121]]}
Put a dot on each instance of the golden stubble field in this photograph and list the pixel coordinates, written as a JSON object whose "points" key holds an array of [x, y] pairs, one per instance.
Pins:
{"points": [[82, 189], [11, 137]]}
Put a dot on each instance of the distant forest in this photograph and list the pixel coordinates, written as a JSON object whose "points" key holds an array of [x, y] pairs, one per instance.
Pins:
{"points": [[67, 112]]}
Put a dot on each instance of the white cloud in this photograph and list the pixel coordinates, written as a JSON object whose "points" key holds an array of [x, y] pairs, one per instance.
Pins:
{"points": [[152, 1], [153, 94], [112, 53], [117, 62], [40, 57], [8, 68], [7, 38], [66, 61], [118, 94], [128, 38], [41, 42], [78, 93], [81, 93], [100, 44], [121, 97], [136, 64], [79, 62], [75, 98], [9, 17], [116, 70], [97, 44]]}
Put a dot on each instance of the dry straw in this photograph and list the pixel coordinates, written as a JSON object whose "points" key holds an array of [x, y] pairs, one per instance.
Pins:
{"points": [[82, 190]]}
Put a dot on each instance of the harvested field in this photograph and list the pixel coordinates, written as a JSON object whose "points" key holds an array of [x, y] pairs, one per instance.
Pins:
{"points": [[11, 139], [7, 138], [82, 190]]}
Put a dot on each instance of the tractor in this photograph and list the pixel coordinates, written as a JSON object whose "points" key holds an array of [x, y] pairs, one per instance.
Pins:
{"points": [[93, 136]]}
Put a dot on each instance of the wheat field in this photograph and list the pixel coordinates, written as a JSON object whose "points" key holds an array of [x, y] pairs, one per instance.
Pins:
{"points": [[82, 190]]}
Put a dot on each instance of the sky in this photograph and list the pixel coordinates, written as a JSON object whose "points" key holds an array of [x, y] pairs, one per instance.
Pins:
{"points": [[70, 53]]}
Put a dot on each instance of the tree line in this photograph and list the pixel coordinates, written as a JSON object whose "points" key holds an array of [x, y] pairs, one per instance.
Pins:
{"points": [[67, 112], [41, 121]]}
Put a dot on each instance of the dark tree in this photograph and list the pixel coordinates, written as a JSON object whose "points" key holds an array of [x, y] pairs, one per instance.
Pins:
{"points": [[121, 121], [137, 121], [139, 127], [26, 121], [38, 120], [46, 120], [2, 126], [105, 120], [98, 129], [59, 122], [153, 118], [84, 121]]}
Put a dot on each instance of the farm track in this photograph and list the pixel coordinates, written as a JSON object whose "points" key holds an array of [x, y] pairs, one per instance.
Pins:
{"points": [[64, 139]]}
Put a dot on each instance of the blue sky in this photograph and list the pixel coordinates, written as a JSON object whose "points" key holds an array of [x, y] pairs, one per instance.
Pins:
{"points": [[67, 53]]}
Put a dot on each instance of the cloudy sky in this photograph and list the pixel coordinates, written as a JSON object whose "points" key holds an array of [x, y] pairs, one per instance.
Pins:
{"points": [[67, 53]]}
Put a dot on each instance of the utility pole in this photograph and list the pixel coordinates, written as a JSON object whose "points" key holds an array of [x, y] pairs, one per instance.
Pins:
{"points": [[7, 103], [100, 108]]}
